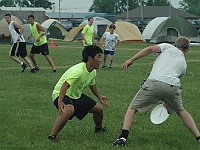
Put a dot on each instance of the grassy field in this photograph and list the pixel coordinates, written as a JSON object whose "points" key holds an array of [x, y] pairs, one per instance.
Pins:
{"points": [[27, 111]]}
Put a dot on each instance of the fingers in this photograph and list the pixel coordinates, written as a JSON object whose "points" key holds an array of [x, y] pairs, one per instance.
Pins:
{"points": [[105, 104], [61, 108], [124, 66]]}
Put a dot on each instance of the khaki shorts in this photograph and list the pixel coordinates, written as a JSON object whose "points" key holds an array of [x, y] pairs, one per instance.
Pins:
{"points": [[152, 91]]}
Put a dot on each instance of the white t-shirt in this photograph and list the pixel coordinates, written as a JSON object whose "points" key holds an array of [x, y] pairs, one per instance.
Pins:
{"points": [[169, 66], [14, 34], [110, 40]]}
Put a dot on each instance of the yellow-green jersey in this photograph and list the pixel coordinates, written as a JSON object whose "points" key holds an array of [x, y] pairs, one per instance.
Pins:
{"points": [[35, 34], [78, 78], [88, 32]]}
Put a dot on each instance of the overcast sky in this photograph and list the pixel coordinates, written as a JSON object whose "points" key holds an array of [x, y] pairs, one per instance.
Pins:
{"points": [[84, 5]]}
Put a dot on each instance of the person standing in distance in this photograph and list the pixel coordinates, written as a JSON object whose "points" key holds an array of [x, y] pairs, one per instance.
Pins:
{"points": [[19, 44], [40, 45], [163, 84], [88, 33], [68, 94], [110, 41]]}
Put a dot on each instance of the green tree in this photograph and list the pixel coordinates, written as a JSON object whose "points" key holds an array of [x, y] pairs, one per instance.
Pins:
{"points": [[156, 2], [113, 6], [26, 3], [191, 6]]}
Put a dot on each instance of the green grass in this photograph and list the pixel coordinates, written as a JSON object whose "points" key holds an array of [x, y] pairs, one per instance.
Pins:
{"points": [[27, 112]]}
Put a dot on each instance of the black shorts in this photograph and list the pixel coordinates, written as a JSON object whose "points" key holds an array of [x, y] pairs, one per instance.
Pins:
{"points": [[40, 49], [81, 105], [18, 49]]}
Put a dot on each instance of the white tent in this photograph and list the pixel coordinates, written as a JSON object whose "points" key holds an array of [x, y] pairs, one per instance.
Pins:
{"points": [[151, 27], [54, 29], [100, 25]]}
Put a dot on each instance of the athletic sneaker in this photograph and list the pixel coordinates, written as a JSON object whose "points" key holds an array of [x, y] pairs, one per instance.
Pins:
{"points": [[52, 138], [33, 70], [120, 142], [54, 71], [104, 66], [37, 69], [97, 130], [23, 67], [198, 139], [109, 67]]}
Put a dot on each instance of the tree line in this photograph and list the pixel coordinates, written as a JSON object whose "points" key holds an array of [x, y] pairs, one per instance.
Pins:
{"points": [[110, 6]]}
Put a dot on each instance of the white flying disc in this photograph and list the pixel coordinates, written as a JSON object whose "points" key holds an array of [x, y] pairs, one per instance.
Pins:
{"points": [[159, 114]]}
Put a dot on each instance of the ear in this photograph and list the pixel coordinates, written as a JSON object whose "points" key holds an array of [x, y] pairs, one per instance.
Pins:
{"points": [[89, 58]]}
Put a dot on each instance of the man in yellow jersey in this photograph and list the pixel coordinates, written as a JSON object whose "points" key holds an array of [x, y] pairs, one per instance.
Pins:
{"points": [[68, 94], [40, 45], [88, 33]]}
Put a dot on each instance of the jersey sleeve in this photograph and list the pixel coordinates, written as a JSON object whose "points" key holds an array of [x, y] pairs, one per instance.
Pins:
{"points": [[164, 46], [117, 37], [72, 76], [84, 30]]}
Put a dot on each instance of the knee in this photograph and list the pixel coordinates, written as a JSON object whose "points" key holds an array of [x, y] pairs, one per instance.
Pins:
{"points": [[69, 110], [98, 109]]}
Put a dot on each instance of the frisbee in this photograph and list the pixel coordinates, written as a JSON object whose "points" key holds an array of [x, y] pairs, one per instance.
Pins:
{"points": [[159, 114]]}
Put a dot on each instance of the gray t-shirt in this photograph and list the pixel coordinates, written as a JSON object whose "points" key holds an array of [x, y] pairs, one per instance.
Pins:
{"points": [[110, 40]]}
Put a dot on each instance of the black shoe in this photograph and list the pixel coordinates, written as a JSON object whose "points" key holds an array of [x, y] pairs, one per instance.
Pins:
{"points": [[120, 142], [37, 69], [33, 70], [104, 66], [198, 139], [54, 71], [97, 130], [52, 138], [23, 67]]}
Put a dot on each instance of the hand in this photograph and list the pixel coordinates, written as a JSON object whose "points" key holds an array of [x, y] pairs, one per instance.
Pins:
{"points": [[85, 42], [127, 64], [18, 39], [103, 101], [113, 47], [164, 105], [28, 38], [94, 43], [38, 40], [104, 45], [61, 106]]}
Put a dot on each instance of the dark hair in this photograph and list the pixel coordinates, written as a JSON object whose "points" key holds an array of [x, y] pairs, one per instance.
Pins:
{"points": [[30, 16], [8, 15], [112, 26], [90, 18], [90, 51]]}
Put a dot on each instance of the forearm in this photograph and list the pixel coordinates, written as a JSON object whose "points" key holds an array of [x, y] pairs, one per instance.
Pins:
{"points": [[95, 91], [63, 90], [83, 36], [141, 54], [21, 32], [6, 35], [30, 35]]}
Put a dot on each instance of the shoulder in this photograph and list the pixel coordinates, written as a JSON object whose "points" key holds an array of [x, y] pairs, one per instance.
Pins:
{"points": [[165, 46], [75, 70], [116, 35]]}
